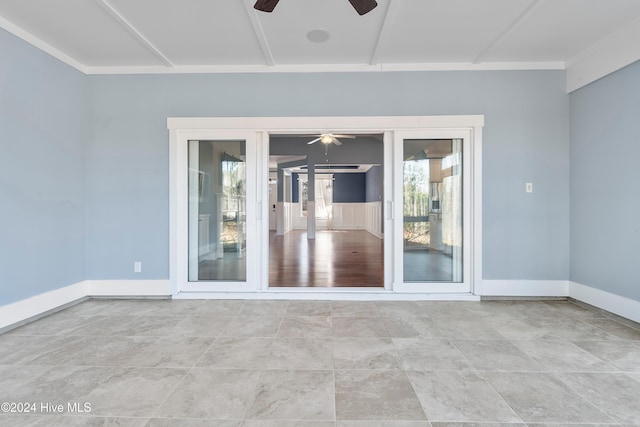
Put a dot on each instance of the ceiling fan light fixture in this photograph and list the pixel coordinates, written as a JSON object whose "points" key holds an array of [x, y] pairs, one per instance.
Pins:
{"points": [[326, 139]]}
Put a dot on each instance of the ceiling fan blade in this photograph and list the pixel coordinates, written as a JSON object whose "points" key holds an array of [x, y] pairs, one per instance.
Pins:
{"points": [[335, 140], [266, 5], [363, 6], [315, 140], [343, 136]]}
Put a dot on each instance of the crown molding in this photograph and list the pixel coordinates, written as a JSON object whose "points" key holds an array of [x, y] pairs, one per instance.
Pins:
{"points": [[327, 68]]}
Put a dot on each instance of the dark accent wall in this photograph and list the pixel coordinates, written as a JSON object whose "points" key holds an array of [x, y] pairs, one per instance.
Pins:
{"points": [[349, 188], [373, 184], [295, 196]]}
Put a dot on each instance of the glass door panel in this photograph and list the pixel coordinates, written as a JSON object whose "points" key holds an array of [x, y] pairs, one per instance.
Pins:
{"points": [[432, 210], [431, 234], [217, 211]]}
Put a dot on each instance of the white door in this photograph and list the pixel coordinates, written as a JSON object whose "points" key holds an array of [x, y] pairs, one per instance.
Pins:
{"points": [[432, 226]]}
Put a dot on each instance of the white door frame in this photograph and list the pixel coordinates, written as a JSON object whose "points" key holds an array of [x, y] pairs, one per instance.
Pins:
{"points": [[258, 129]]}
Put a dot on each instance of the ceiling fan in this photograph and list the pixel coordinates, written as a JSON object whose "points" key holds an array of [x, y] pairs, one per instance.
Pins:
{"points": [[361, 6], [329, 138]]}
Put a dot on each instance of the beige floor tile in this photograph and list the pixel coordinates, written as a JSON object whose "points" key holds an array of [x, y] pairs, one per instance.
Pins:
{"points": [[496, 355], [211, 393], [294, 395], [624, 355], [614, 394], [308, 308], [300, 353], [616, 328], [354, 309], [419, 354], [562, 356], [365, 353], [376, 395], [543, 397], [455, 396], [305, 327], [236, 353], [320, 364], [358, 327]]}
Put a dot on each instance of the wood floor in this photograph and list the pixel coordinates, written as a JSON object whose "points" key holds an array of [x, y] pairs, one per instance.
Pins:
{"points": [[334, 258]]}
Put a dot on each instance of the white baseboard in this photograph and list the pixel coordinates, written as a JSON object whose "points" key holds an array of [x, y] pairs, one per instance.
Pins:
{"points": [[525, 288], [28, 308], [16, 313], [616, 304], [355, 294], [128, 288]]}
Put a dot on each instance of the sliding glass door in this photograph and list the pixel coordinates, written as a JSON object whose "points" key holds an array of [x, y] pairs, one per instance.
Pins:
{"points": [[421, 202], [432, 226], [221, 219]]}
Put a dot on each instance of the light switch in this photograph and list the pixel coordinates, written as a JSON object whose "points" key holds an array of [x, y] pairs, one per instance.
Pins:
{"points": [[529, 187]]}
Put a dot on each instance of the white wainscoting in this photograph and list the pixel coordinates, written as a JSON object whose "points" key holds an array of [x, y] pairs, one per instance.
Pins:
{"points": [[358, 216], [373, 218], [346, 216], [298, 222], [287, 212]]}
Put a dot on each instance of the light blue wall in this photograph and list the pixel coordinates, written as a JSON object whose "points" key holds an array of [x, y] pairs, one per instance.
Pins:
{"points": [[526, 139], [42, 131], [605, 183]]}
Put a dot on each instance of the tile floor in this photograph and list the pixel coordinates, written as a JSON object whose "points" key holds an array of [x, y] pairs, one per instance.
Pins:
{"points": [[319, 363]]}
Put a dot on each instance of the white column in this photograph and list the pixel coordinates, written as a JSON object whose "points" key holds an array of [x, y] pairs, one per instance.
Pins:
{"points": [[311, 201]]}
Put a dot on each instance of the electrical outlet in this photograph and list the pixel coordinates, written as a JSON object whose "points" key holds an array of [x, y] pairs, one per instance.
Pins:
{"points": [[529, 187], [137, 267]]}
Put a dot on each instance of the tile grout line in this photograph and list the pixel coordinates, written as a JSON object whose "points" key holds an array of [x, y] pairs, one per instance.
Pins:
{"points": [[577, 393], [261, 372], [190, 369]]}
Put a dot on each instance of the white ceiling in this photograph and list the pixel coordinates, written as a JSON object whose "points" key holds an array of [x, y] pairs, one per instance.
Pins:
{"points": [[102, 36]]}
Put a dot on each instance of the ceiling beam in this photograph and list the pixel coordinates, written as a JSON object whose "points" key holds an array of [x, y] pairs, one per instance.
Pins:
{"points": [[120, 19], [510, 30], [606, 56], [42, 45], [384, 31], [259, 32]]}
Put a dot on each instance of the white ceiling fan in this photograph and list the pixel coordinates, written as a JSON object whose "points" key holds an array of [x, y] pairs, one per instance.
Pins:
{"points": [[329, 138]]}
